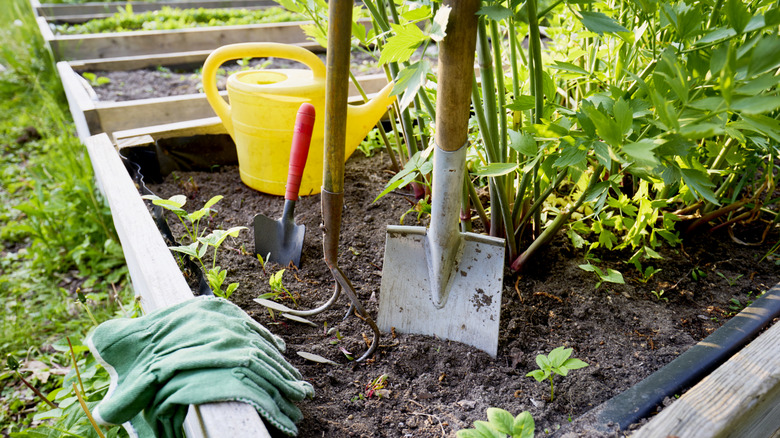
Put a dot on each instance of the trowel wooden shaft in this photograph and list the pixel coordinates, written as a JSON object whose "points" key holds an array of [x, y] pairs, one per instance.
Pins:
{"points": [[455, 72]]}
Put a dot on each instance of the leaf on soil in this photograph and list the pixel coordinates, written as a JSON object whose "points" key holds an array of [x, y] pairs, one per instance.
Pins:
{"points": [[298, 319], [315, 358]]}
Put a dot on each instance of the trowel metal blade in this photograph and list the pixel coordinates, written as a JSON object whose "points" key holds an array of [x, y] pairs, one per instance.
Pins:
{"points": [[472, 310], [283, 242]]}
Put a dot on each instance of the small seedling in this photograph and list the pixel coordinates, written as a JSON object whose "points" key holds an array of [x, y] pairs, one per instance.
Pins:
{"points": [[200, 242], [731, 281], [697, 273], [278, 289], [610, 276], [500, 424], [95, 80], [557, 362], [659, 295]]}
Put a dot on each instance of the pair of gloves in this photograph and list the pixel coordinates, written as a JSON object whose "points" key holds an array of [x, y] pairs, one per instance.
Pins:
{"points": [[200, 351]]}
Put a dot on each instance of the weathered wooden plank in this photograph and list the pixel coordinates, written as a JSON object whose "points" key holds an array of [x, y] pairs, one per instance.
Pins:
{"points": [[119, 116], [117, 44], [80, 102], [740, 398], [187, 128], [158, 281], [58, 11], [135, 62]]}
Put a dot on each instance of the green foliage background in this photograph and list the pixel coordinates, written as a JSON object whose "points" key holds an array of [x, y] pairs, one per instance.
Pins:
{"points": [[56, 234]]}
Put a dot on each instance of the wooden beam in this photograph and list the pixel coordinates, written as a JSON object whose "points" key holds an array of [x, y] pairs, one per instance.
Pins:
{"points": [[159, 282], [117, 44], [58, 11], [80, 102], [740, 398], [193, 57]]}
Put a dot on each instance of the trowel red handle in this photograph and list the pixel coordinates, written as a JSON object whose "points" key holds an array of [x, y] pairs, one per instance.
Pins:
{"points": [[304, 125]]}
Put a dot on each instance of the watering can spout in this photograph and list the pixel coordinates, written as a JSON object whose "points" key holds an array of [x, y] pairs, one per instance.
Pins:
{"points": [[361, 118]]}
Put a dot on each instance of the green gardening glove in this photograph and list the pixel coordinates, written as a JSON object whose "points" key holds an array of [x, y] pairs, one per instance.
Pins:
{"points": [[143, 354], [166, 413]]}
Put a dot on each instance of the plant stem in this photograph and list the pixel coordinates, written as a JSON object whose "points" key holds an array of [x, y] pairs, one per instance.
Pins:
{"points": [[86, 411], [75, 364], [35, 390], [552, 389]]}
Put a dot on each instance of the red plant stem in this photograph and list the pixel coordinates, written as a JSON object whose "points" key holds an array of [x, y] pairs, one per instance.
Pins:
{"points": [[715, 214], [35, 390]]}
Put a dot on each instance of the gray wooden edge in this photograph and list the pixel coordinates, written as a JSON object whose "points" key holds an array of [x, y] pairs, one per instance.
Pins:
{"points": [[92, 116], [56, 11], [740, 398], [158, 281]]}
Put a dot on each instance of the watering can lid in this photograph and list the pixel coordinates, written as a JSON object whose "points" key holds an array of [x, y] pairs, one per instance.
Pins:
{"points": [[277, 81]]}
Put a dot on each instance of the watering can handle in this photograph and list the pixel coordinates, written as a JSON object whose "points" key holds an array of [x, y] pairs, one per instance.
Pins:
{"points": [[252, 50], [304, 125]]}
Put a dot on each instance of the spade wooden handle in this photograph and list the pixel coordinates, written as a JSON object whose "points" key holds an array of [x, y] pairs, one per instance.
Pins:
{"points": [[455, 71]]}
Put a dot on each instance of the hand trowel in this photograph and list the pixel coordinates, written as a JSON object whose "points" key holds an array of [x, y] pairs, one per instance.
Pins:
{"points": [[281, 240]]}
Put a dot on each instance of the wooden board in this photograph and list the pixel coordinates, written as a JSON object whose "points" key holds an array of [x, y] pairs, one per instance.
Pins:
{"points": [[79, 13], [158, 280], [117, 44], [739, 399], [92, 116], [194, 57]]}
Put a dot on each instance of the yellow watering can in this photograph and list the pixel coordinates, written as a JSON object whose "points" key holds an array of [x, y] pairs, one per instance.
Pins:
{"points": [[263, 105]]}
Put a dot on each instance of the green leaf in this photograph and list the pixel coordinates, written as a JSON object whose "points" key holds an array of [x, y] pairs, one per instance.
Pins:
{"points": [[569, 67], [495, 12], [501, 420], [487, 430], [439, 23], [738, 14], [470, 433], [539, 375], [401, 46], [765, 57], [496, 169], [624, 117], [559, 355], [642, 151], [523, 426], [606, 128], [522, 142], [600, 23], [410, 80], [613, 276], [574, 364], [701, 130], [210, 203], [698, 182], [191, 249], [756, 104], [522, 103]]}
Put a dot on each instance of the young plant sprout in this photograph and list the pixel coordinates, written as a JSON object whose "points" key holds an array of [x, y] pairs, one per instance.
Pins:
{"points": [[200, 241], [557, 362]]}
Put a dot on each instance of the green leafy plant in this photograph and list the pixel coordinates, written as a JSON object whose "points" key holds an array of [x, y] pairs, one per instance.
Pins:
{"points": [[95, 80], [278, 290], [501, 423], [168, 18], [200, 242], [557, 362], [634, 117]]}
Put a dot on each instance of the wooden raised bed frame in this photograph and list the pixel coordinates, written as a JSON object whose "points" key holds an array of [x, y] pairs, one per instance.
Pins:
{"points": [[740, 397], [92, 116], [79, 13]]}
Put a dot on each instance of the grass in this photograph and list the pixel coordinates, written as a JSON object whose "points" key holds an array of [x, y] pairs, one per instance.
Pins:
{"points": [[56, 236]]}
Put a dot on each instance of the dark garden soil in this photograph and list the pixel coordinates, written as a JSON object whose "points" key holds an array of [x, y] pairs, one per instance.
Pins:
{"points": [[125, 85], [435, 387]]}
